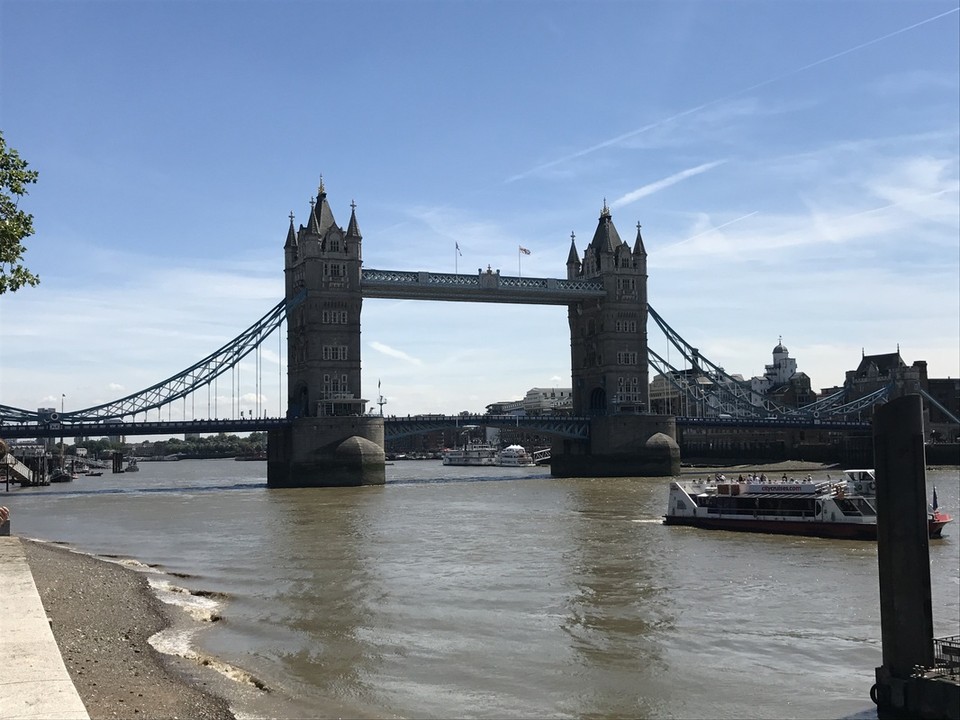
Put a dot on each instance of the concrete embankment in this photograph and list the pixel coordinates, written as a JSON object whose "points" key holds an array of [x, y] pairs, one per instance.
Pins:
{"points": [[34, 682]]}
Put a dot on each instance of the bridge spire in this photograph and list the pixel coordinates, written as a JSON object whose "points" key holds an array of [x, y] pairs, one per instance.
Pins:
{"points": [[573, 258], [353, 229], [291, 235], [313, 227], [606, 239], [638, 248], [325, 219]]}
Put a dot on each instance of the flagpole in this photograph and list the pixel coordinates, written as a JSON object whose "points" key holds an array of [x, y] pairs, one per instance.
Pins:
{"points": [[519, 272]]}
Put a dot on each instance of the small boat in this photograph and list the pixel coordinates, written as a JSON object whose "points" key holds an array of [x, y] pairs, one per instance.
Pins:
{"points": [[809, 508], [94, 473], [258, 455], [59, 475], [515, 456], [132, 466]]}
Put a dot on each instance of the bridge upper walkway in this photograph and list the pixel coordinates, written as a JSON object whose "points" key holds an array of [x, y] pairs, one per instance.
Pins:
{"points": [[486, 286]]}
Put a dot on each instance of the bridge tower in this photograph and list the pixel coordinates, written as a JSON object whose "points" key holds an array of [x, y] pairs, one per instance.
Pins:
{"points": [[609, 365], [330, 441]]}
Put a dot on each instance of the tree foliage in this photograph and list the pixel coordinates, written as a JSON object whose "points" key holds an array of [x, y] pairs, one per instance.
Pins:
{"points": [[15, 224]]}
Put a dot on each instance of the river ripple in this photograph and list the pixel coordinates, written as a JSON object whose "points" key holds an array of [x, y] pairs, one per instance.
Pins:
{"points": [[496, 592]]}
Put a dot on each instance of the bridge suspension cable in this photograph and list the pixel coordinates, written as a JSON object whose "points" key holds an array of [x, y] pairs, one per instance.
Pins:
{"points": [[204, 372], [723, 393]]}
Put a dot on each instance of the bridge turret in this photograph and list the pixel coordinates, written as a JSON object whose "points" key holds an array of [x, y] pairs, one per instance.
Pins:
{"points": [[573, 259], [328, 440], [609, 337], [353, 239], [324, 330], [313, 224], [638, 249]]}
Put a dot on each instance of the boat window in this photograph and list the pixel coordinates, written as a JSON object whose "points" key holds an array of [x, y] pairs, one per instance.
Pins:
{"points": [[849, 506], [864, 507]]}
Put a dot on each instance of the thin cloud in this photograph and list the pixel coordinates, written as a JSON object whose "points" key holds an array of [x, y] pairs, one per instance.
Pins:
{"points": [[712, 229], [394, 353], [690, 111], [651, 188]]}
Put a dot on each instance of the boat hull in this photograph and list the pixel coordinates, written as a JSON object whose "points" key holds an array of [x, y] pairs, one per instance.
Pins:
{"points": [[813, 528]]}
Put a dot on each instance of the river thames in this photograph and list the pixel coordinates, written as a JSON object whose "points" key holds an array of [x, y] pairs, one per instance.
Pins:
{"points": [[489, 593]]}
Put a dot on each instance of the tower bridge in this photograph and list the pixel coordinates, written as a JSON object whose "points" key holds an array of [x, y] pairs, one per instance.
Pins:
{"points": [[327, 437]]}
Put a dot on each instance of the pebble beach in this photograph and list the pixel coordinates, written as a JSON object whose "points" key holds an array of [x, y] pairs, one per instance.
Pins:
{"points": [[102, 616]]}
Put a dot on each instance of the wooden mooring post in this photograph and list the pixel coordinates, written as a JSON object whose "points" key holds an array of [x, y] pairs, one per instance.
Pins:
{"points": [[904, 688]]}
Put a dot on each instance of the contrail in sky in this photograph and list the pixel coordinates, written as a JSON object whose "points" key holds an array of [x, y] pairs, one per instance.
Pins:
{"points": [[713, 229], [653, 187], [698, 108]]}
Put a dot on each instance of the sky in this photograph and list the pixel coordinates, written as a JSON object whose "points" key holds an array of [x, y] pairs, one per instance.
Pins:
{"points": [[795, 167]]}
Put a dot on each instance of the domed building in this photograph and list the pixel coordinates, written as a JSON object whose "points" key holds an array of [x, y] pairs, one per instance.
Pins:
{"points": [[781, 382]]}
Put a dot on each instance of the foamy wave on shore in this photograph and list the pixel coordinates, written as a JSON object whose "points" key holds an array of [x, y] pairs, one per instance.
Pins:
{"points": [[179, 642], [201, 606]]}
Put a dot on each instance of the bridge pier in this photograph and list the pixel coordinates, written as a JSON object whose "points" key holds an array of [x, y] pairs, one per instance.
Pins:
{"points": [[343, 451], [620, 446]]}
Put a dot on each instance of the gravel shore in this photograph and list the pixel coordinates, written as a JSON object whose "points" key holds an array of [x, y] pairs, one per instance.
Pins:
{"points": [[102, 615]]}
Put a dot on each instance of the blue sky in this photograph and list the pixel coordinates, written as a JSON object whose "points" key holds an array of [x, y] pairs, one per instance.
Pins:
{"points": [[794, 166]]}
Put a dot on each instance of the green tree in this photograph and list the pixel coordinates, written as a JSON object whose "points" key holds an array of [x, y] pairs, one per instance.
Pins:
{"points": [[15, 224]]}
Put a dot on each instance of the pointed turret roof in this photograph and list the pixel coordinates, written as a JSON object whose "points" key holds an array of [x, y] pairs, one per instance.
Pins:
{"points": [[291, 235], [324, 214], [313, 225], [606, 239], [353, 229], [573, 257], [638, 248]]}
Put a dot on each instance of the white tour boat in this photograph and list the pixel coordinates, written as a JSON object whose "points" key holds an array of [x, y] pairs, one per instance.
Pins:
{"points": [[515, 456], [471, 454], [811, 508]]}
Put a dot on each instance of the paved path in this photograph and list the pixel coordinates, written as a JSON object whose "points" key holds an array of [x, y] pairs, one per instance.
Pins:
{"points": [[34, 683]]}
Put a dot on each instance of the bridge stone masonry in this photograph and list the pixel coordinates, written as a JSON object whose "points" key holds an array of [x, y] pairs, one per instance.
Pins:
{"points": [[330, 441]]}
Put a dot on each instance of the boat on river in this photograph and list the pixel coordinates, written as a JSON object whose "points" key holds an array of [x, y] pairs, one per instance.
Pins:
{"points": [[471, 453], [515, 456], [807, 507], [59, 475]]}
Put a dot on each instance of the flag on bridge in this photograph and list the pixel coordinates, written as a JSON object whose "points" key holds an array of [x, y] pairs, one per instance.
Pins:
{"points": [[524, 250], [458, 250]]}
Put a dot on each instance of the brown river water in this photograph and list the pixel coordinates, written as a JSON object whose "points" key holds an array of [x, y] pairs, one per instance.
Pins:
{"points": [[490, 593]]}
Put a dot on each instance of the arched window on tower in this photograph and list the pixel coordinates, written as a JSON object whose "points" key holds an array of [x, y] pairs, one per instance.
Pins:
{"points": [[598, 401]]}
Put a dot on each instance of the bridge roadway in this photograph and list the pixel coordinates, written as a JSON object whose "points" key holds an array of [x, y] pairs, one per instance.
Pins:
{"points": [[485, 286], [395, 427]]}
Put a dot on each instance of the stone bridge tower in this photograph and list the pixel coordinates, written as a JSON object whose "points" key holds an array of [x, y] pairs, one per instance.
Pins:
{"points": [[609, 366], [323, 336], [608, 338], [331, 441]]}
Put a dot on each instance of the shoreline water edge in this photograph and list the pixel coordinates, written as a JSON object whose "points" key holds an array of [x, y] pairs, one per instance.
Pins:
{"points": [[109, 619], [134, 575], [103, 616]]}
